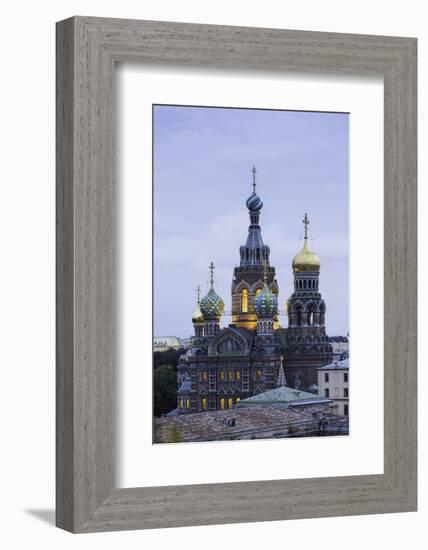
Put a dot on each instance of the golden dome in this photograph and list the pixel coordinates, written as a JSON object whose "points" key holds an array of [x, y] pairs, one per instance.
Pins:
{"points": [[306, 260], [197, 316]]}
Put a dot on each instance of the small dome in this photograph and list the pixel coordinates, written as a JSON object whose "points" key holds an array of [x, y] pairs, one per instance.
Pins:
{"points": [[254, 202], [266, 303], [212, 305], [197, 316], [306, 260]]}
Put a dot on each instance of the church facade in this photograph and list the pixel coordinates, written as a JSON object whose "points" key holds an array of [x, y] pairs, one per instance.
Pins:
{"points": [[225, 365]]}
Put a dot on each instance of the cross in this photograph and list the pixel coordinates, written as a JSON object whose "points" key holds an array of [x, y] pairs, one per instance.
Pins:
{"points": [[306, 223], [198, 293], [254, 178], [211, 266]]}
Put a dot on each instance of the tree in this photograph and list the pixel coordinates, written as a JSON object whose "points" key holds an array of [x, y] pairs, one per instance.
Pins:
{"points": [[164, 389], [167, 357]]}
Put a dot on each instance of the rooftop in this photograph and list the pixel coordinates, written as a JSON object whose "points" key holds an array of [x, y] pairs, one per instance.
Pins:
{"points": [[283, 394], [210, 425], [337, 365]]}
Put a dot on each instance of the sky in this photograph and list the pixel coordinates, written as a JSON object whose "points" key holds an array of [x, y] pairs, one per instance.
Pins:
{"points": [[202, 176]]}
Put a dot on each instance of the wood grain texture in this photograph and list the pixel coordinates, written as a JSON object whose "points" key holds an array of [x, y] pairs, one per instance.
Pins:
{"points": [[87, 50]]}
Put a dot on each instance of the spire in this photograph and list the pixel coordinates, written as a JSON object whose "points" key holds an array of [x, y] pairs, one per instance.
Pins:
{"points": [[254, 251], [281, 381], [306, 222], [211, 268], [198, 294]]}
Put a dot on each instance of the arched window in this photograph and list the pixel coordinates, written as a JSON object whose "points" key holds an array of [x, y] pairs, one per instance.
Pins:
{"points": [[310, 315], [298, 310], [244, 300]]}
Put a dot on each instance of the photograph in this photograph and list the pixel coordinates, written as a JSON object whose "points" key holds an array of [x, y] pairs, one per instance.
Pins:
{"points": [[250, 276]]}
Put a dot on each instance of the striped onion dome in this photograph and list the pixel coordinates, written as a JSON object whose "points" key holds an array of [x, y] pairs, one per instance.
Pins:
{"points": [[266, 303], [212, 305], [254, 202]]}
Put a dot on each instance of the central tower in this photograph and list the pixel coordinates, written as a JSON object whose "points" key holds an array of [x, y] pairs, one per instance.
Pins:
{"points": [[248, 277]]}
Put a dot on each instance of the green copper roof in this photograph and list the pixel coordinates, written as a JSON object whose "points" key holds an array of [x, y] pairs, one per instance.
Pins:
{"points": [[282, 394]]}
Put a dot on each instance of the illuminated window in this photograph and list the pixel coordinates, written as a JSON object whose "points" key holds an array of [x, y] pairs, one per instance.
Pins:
{"points": [[222, 375], [238, 399], [244, 300], [230, 375], [204, 403], [204, 375], [230, 403], [259, 374], [181, 403], [187, 403], [258, 291], [222, 403], [238, 375]]}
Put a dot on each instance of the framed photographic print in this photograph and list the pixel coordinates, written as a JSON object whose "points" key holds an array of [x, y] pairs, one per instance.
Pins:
{"points": [[236, 274]]}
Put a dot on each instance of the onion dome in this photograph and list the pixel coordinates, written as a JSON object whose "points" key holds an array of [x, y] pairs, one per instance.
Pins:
{"points": [[306, 260], [266, 303], [212, 305], [197, 316], [254, 202]]}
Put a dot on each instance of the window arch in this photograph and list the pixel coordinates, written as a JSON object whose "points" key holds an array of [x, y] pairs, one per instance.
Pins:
{"points": [[298, 310], [244, 300], [311, 310]]}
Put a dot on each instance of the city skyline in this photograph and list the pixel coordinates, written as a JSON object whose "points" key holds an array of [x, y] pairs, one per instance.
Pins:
{"points": [[202, 176]]}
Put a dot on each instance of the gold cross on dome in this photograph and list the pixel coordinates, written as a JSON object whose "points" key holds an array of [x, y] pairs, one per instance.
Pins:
{"points": [[306, 222], [198, 293], [212, 267], [254, 178]]}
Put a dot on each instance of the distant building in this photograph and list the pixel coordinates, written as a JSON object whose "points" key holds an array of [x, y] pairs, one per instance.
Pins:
{"points": [[163, 343], [340, 345], [333, 383], [186, 343]]}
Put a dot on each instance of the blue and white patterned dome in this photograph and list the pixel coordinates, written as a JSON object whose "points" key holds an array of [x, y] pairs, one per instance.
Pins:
{"points": [[266, 303], [254, 202], [212, 305]]}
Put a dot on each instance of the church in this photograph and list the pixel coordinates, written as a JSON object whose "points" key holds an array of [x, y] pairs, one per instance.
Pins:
{"points": [[246, 358]]}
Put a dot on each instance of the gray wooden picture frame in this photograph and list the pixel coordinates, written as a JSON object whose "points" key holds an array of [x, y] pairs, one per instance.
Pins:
{"points": [[87, 51]]}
